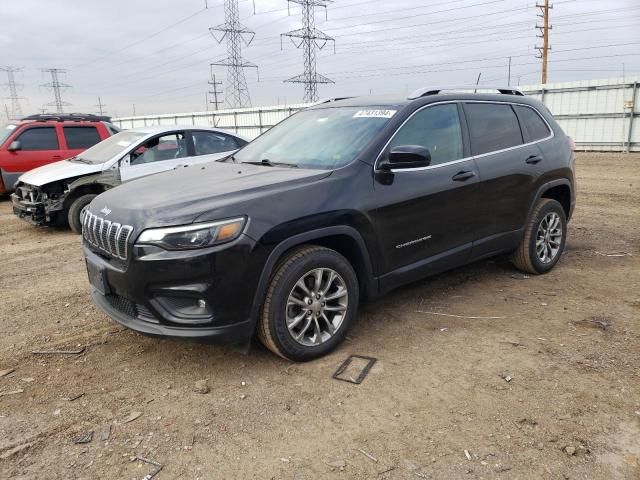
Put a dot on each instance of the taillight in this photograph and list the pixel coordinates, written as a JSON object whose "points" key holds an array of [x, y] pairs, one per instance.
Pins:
{"points": [[572, 144]]}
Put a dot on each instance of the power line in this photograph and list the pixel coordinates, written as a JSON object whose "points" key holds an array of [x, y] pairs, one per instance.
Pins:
{"points": [[12, 86], [56, 86], [544, 35], [309, 38], [235, 34]]}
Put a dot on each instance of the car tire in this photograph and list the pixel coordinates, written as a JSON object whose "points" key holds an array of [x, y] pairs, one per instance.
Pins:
{"points": [[75, 209], [327, 320], [544, 238]]}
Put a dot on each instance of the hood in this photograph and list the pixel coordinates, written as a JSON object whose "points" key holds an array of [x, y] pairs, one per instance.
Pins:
{"points": [[181, 196], [58, 171]]}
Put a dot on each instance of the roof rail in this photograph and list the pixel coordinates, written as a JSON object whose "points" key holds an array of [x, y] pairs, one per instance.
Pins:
{"points": [[331, 99], [425, 91], [67, 117]]}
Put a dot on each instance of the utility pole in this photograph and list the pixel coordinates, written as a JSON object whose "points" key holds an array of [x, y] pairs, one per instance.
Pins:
{"points": [[214, 91], [100, 106], [236, 34], [12, 86], [309, 38], [544, 35], [134, 109], [56, 86], [509, 74]]}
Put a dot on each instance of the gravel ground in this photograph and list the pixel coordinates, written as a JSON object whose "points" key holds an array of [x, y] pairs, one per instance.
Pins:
{"points": [[549, 389]]}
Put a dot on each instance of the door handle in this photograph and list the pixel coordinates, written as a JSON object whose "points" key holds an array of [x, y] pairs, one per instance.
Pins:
{"points": [[463, 175], [56, 157], [533, 159]]}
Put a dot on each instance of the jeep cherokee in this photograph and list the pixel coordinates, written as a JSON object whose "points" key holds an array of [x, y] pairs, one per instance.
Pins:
{"points": [[341, 202]]}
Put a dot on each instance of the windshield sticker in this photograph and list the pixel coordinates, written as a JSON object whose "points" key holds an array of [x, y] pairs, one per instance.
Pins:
{"points": [[124, 143], [11, 127], [374, 114]]}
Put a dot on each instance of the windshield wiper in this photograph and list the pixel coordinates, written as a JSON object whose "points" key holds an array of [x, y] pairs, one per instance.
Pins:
{"points": [[230, 157], [269, 163]]}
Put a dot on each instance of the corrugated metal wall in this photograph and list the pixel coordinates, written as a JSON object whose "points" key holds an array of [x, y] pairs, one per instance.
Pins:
{"points": [[599, 115]]}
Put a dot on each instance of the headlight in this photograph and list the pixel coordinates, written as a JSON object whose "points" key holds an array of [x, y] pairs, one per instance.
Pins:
{"points": [[198, 235]]}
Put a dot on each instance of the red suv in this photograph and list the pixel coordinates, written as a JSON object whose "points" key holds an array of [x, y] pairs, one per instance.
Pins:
{"points": [[41, 139]]}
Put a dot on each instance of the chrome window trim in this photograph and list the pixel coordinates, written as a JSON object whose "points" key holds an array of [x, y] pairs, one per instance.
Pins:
{"points": [[472, 157]]}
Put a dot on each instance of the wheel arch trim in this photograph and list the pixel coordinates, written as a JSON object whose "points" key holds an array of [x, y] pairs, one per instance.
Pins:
{"points": [[548, 186]]}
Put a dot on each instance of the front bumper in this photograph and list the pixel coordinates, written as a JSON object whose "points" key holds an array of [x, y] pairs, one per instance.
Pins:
{"points": [[155, 292]]}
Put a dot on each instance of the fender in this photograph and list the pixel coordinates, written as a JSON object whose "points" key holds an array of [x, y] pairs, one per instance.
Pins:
{"points": [[108, 179], [308, 237], [548, 185]]}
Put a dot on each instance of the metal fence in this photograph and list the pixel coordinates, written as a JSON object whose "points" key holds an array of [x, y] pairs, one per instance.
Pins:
{"points": [[598, 114]]}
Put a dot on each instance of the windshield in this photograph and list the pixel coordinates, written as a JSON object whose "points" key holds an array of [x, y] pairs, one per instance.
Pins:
{"points": [[325, 138], [107, 149], [5, 132]]}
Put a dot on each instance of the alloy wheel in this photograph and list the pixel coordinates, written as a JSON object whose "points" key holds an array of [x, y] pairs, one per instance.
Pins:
{"points": [[549, 238]]}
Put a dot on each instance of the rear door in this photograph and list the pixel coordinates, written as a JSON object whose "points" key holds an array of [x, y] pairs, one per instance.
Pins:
{"points": [[426, 212], [79, 138], [158, 154], [509, 168], [208, 145]]}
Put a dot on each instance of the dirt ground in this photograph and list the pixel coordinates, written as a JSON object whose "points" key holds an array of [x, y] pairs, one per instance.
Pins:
{"points": [[549, 387]]}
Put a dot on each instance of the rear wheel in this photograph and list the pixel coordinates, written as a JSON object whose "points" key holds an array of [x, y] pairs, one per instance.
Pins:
{"points": [[75, 210], [310, 303], [544, 238]]}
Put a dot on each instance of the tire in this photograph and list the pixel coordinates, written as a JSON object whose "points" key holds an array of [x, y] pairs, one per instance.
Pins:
{"points": [[528, 257], [75, 209], [286, 301]]}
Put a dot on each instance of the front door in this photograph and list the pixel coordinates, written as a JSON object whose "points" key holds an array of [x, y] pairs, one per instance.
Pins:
{"points": [[158, 154], [37, 146], [427, 217]]}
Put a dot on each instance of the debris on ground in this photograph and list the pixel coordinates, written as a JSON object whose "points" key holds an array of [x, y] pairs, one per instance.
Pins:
{"points": [[202, 387], [513, 343], [519, 276], [368, 455], [84, 438], [354, 371], [472, 317], [506, 377], [595, 322], [131, 417], [15, 450], [12, 392], [158, 466], [385, 470], [4, 373], [339, 464], [76, 351], [617, 254], [569, 450], [467, 454], [105, 433], [73, 397]]}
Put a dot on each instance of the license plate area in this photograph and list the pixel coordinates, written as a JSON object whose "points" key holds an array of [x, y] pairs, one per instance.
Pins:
{"points": [[97, 277]]}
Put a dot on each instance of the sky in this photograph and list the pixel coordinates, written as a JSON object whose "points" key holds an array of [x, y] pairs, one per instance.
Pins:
{"points": [[153, 55]]}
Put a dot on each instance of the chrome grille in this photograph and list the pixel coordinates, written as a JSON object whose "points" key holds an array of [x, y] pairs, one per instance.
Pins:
{"points": [[110, 237]]}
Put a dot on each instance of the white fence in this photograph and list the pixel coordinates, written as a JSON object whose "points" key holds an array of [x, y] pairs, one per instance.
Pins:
{"points": [[598, 114]]}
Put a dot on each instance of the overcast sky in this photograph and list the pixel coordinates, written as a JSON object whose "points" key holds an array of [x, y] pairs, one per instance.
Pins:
{"points": [[156, 53]]}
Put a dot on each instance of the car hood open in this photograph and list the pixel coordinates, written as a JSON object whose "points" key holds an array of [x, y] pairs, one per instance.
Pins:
{"points": [[188, 194], [58, 171]]}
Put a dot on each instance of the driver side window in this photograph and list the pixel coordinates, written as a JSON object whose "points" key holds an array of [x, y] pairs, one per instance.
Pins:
{"points": [[164, 147], [437, 129]]}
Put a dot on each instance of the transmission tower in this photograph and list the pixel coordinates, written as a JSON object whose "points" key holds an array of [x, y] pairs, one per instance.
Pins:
{"points": [[309, 38], [12, 86], [544, 35], [100, 106], [214, 92], [236, 34], [57, 88]]}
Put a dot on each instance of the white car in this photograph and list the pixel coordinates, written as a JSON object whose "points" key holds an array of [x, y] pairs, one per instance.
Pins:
{"points": [[58, 192]]}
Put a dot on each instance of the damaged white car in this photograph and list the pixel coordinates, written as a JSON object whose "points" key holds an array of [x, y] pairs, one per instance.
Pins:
{"points": [[57, 193]]}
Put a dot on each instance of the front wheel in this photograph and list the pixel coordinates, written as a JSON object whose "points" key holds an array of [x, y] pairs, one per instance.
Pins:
{"points": [[544, 238], [310, 303], [75, 210]]}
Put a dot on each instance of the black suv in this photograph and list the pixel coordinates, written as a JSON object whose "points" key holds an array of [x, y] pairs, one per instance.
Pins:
{"points": [[340, 202]]}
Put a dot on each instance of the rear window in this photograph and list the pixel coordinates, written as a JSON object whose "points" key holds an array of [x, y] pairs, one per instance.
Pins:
{"points": [[38, 138], [81, 137], [534, 125], [492, 127]]}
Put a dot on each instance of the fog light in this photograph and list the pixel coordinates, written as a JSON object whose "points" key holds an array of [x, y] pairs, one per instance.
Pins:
{"points": [[202, 303]]}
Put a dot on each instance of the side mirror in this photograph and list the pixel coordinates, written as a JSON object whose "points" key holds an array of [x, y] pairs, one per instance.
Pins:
{"points": [[15, 145], [407, 156]]}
